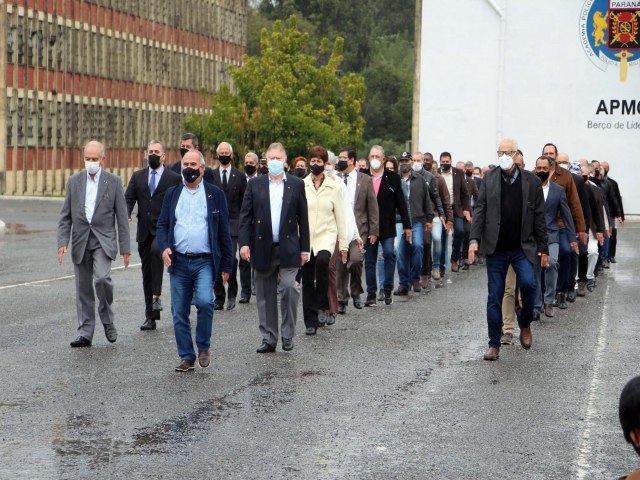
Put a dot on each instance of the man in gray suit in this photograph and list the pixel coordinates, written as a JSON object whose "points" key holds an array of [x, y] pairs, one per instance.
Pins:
{"points": [[510, 225], [93, 208]]}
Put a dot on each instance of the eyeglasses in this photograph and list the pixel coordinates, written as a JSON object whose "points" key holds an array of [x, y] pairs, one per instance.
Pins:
{"points": [[511, 153]]}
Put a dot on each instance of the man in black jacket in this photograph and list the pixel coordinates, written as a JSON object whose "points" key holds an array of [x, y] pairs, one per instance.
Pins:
{"points": [[613, 241], [147, 188], [388, 190]]}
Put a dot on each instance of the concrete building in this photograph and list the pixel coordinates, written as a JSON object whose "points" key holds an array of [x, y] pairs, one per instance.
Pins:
{"points": [[119, 71], [566, 72]]}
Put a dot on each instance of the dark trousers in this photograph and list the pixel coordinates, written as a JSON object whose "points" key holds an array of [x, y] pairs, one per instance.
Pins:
{"points": [[613, 243], [426, 258], [246, 278], [218, 287], [583, 264], [315, 286], [497, 266], [458, 237], [152, 271], [564, 262], [466, 240]]}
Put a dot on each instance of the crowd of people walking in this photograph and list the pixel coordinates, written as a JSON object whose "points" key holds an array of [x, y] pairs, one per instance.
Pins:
{"points": [[310, 226]]}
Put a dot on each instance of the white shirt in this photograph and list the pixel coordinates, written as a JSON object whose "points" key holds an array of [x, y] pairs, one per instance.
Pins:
{"points": [[352, 183], [228, 169], [545, 190], [276, 192], [91, 194], [448, 178]]}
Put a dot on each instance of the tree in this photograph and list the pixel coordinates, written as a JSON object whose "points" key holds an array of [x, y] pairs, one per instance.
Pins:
{"points": [[283, 95]]}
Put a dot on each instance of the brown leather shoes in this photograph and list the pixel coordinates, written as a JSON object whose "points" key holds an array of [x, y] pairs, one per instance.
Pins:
{"points": [[506, 339], [185, 366], [492, 354], [525, 337], [204, 359], [548, 310]]}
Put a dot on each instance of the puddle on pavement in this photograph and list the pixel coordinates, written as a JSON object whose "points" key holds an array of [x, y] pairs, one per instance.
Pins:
{"points": [[17, 229]]}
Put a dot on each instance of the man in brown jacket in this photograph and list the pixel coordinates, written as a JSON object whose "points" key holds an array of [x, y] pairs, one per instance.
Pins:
{"points": [[362, 200], [561, 176], [444, 226]]}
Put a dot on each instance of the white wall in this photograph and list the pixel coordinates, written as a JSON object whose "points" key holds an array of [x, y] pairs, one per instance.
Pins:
{"points": [[550, 88]]}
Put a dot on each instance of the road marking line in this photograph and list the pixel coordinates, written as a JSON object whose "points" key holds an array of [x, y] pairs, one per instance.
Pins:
{"points": [[55, 279], [583, 466]]}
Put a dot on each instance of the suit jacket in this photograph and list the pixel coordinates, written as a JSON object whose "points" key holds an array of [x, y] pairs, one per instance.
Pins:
{"points": [[255, 223], [419, 201], [365, 207], [557, 204], [110, 214], [472, 189], [432, 182], [485, 227], [461, 200], [563, 178], [236, 185], [218, 222], [584, 198], [616, 193], [596, 224], [327, 219], [390, 198], [610, 196], [149, 206]]}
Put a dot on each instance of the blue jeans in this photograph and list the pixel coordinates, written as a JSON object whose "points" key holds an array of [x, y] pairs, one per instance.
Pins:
{"points": [[370, 259], [458, 237], [187, 276], [410, 255], [436, 243], [546, 279], [497, 266]]}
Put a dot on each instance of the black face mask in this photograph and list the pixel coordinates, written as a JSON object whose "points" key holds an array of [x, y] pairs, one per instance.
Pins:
{"points": [[190, 175], [405, 168], [250, 169], [224, 159], [468, 173], [317, 169], [342, 165], [585, 178], [154, 161], [264, 170], [363, 170], [183, 152], [595, 180], [605, 172], [301, 172], [446, 167], [427, 166], [543, 176]]}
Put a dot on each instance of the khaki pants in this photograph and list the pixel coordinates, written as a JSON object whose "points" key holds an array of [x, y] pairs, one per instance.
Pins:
{"points": [[509, 321]]}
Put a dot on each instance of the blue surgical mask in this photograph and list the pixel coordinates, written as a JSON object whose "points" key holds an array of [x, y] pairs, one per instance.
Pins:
{"points": [[276, 167]]}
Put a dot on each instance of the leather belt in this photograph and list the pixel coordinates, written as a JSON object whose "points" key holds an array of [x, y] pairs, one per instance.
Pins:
{"points": [[195, 255]]}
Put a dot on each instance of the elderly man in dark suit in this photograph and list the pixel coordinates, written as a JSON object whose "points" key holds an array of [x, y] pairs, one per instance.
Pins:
{"points": [[233, 183], [388, 190], [274, 236], [147, 188], [509, 222], [94, 209], [193, 236]]}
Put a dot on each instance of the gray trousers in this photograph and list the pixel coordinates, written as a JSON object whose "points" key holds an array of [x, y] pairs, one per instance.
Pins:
{"points": [[94, 269], [349, 276], [267, 299]]}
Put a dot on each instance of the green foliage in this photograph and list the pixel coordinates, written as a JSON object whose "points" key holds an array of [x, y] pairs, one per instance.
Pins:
{"points": [[283, 95]]}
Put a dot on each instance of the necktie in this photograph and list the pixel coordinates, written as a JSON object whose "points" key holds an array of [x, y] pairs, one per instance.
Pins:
{"points": [[224, 179], [152, 183], [345, 179]]}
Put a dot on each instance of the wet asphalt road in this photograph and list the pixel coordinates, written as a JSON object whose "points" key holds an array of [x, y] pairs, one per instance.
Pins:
{"points": [[390, 392]]}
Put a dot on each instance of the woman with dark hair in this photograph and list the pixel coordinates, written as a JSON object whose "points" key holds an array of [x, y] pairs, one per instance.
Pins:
{"points": [[326, 223], [390, 163]]}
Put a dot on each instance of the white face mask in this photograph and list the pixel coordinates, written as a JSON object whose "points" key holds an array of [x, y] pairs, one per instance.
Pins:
{"points": [[375, 164], [505, 162], [92, 167], [417, 167], [328, 171], [564, 165]]}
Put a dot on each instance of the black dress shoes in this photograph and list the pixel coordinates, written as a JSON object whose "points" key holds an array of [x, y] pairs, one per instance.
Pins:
{"points": [[231, 304], [342, 308], [218, 306], [371, 300], [149, 324], [110, 332], [244, 299], [287, 344], [81, 342], [310, 331], [266, 348], [357, 302]]}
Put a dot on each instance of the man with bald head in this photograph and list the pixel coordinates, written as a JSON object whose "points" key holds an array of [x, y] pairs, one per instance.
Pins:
{"points": [[94, 209], [233, 183]]}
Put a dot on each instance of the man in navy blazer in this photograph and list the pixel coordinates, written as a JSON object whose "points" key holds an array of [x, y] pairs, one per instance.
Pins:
{"points": [[274, 236], [193, 236], [556, 203]]}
